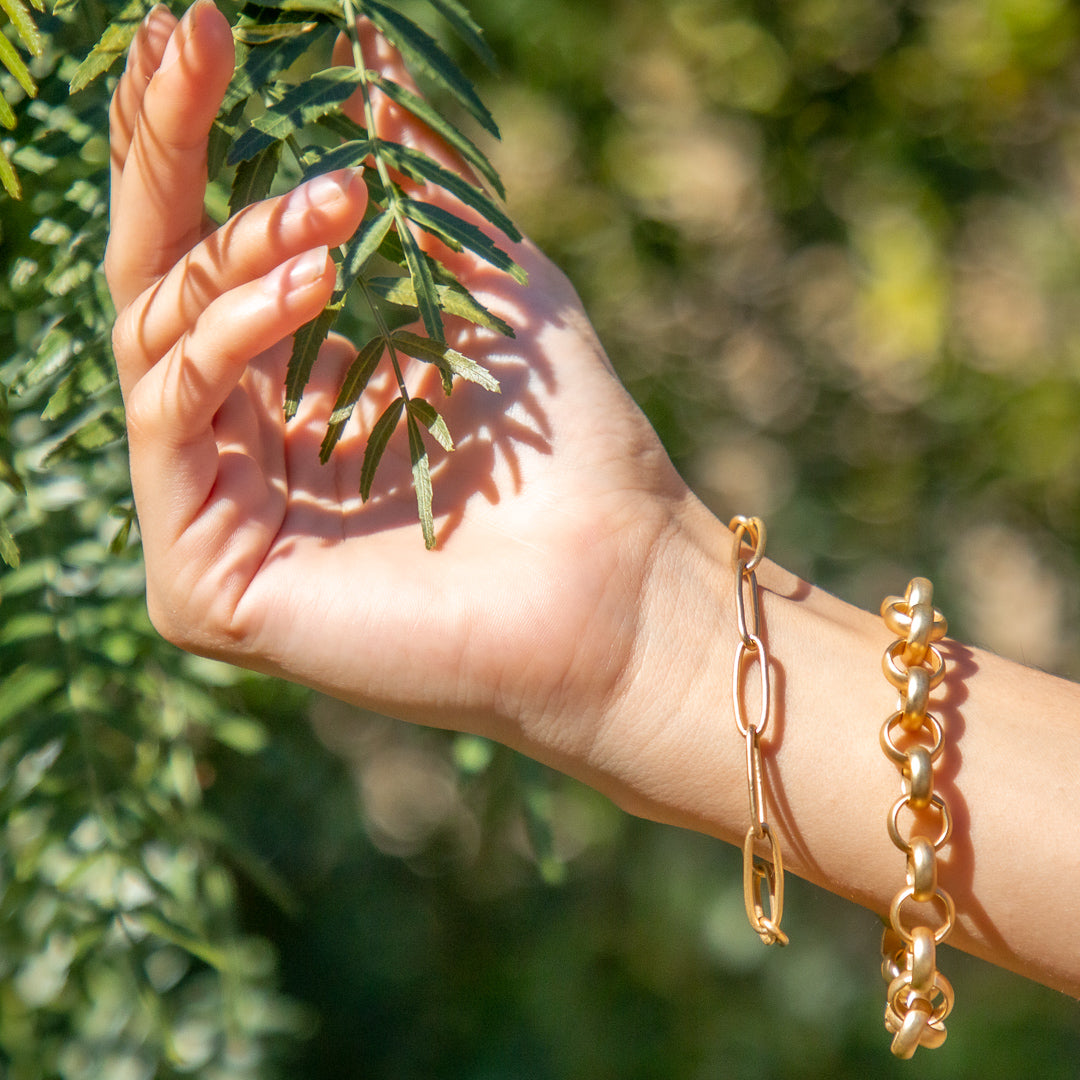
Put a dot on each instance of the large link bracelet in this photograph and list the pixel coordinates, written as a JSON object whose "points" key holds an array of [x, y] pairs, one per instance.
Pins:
{"points": [[919, 997]]}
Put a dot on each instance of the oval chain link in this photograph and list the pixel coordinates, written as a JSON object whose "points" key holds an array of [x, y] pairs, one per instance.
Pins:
{"points": [[919, 996], [763, 879]]}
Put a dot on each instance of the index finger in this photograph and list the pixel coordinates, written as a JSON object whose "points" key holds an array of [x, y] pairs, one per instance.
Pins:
{"points": [[162, 181]]}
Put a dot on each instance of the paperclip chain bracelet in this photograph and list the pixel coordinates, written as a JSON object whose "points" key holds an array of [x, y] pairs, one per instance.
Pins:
{"points": [[757, 872], [919, 997]]}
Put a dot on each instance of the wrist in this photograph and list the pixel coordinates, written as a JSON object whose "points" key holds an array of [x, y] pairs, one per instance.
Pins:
{"points": [[664, 751], [671, 751]]}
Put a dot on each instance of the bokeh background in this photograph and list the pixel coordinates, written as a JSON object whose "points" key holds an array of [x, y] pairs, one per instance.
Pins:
{"points": [[833, 248]]}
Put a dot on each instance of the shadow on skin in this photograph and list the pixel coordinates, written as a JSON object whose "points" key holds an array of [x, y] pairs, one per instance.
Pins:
{"points": [[490, 431]]}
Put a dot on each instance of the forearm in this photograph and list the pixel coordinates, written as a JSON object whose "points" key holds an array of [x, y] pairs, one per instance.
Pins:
{"points": [[1009, 773]]}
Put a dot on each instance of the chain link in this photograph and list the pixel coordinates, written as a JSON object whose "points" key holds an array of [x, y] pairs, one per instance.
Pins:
{"points": [[763, 880], [919, 996]]}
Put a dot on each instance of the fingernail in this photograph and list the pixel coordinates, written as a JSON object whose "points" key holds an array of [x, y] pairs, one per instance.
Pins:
{"points": [[301, 270], [180, 36], [321, 190], [173, 49]]}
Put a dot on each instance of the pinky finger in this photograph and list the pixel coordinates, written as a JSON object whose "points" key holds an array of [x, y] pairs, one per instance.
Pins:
{"points": [[176, 401]]}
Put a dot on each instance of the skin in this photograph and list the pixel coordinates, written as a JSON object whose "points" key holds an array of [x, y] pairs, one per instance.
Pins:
{"points": [[579, 605]]}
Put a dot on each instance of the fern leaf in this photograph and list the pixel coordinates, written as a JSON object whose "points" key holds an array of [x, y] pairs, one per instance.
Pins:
{"points": [[443, 128], [419, 167], [364, 244], [256, 65], [376, 444], [100, 430], [445, 358], [23, 22], [330, 8], [347, 155], [352, 386], [8, 176], [453, 300], [421, 473], [10, 58], [113, 44], [271, 33], [425, 54], [427, 299], [316, 96], [428, 415], [254, 177], [306, 344], [467, 29], [457, 233], [9, 552]]}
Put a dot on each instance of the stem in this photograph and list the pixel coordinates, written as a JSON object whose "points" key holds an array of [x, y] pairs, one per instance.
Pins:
{"points": [[384, 331], [384, 175]]}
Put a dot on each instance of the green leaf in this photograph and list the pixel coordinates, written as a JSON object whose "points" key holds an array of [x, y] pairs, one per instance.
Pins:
{"points": [[260, 34], [376, 444], [457, 233], [352, 386], [427, 300], [24, 25], [28, 626], [316, 7], [443, 128], [93, 372], [254, 177], [467, 29], [222, 136], [9, 552], [128, 517], [101, 430], [421, 473], [52, 356], [343, 126], [10, 58], [26, 687], [306, 344], [34, 159], [314, 97], [8, 177], [114, 43], [257, 65], [420, 167], [443, 357], [346, 156], [427, 415], [365, 242], [453, 299], [425, 54]]}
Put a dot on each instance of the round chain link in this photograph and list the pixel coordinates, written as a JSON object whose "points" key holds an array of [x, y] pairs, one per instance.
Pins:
{"points": [[919, 996], [763, 880]]}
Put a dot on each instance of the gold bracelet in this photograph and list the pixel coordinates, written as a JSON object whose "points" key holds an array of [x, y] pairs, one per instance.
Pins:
{"points": [[919, 996], [756, 872]]}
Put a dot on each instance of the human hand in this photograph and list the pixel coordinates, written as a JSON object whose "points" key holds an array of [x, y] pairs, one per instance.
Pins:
{"points": [[525, 623]]}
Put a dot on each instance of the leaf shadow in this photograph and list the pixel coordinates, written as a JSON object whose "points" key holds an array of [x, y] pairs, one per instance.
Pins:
{"points": [[491, 432]]}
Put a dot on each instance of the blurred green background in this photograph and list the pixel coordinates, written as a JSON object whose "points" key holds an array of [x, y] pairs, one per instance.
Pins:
{"points": [[833, 248]]}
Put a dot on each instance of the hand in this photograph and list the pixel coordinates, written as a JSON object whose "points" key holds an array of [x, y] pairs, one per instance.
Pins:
{"points": [[524, 624]]}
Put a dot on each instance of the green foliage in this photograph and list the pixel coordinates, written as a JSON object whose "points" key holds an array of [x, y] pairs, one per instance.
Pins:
{"points": [[122, 951], [831, 246], [276, 124], [291, 126], [22, 22]]}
